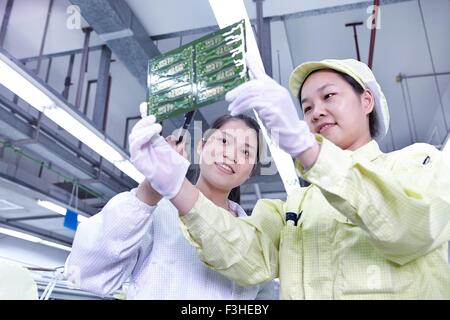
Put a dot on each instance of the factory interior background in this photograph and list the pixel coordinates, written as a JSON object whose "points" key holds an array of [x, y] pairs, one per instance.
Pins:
{"points": [[93, 56]]}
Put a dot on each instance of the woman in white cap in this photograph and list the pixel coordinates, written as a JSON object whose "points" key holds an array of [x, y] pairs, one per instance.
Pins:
{"points": [[370, 225]]}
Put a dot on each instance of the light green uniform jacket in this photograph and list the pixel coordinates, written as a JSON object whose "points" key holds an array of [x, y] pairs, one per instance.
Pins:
{"points": [[372, 226]]}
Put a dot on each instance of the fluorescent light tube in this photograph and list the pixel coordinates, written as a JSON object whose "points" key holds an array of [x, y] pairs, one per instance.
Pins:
{"points": [[226, 13], [127, 167], [58, 209], [56, 245], [20, 235], [16, 82], [52, 206], [29, 237]]}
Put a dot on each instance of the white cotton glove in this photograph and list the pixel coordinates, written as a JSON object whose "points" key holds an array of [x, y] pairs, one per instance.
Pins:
{"points": [[161, 165], [275, 108]]}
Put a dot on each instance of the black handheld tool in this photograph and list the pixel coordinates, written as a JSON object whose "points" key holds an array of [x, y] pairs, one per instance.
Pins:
{"points": [[187, 121]]}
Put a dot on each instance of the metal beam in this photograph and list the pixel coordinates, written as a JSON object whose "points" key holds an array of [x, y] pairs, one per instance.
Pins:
{"points": [[46, 235], [101, 93], [263, 37], [190, 32], [108, 95], [408, 117], [127, 127], [5, 21], [83, 67], [402, 76], [61, 54], [44, 36], [47, 73], [266, 46], [122, 31], [27, 218], [289, 44], [87, 95], [68, 79], [259, 21]]}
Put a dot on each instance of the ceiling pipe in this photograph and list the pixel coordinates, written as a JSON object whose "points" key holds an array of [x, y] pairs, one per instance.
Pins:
{"points": [[355, 35]]}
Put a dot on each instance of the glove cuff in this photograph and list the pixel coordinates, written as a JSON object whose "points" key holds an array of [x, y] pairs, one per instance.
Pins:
{"points": [[304, 142], [185, 166], [182, 167], [298, 139]]}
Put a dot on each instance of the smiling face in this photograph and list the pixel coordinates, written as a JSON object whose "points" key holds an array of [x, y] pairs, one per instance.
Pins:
{"points": [[332, 108], [228, 155]]}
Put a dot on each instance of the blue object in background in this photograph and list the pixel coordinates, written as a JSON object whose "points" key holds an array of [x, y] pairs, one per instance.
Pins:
{"points": [[71, 220]]}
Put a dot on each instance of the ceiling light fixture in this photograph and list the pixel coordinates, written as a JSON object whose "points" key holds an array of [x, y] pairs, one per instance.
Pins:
{"points": [[31, 238], [229, 12], [18, 80], [58, 209]]}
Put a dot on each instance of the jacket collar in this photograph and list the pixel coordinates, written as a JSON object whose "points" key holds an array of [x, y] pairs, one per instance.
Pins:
{"points": [[370, 151], [236, 208]]}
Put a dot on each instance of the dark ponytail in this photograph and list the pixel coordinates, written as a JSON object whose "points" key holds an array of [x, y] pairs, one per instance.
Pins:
{"points": [[235, 195]]}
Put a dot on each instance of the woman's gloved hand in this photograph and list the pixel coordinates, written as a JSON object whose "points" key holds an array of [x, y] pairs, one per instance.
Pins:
{"points": [[152, 155], [275, 108], [180, 148]]}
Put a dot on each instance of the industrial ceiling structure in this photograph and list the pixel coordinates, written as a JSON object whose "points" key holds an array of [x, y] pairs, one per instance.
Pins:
{"points": [[93, 55]]}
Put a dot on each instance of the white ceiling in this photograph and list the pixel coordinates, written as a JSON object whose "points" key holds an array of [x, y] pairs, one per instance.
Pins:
{"points": [[167, 16], [26, 28]]}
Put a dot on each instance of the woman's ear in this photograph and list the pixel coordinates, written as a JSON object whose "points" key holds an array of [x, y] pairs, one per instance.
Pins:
{"points": [[200, 145], [367, 101]]}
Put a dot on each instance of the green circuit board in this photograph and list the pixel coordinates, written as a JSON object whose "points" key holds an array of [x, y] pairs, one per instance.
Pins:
{"points": [[198, 73]]}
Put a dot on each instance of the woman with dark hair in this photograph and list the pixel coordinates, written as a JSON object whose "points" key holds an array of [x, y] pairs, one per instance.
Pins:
{"points": [[137, 235], [370, 225], [235, 193]]}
